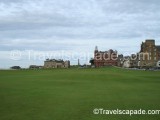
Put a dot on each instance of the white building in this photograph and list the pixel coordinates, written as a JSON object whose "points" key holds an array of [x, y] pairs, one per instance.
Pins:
{"points": [[126, 64], [158, 64]]}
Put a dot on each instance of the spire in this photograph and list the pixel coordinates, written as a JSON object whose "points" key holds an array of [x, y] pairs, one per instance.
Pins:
{"points": [[78, 63], [96, 48]]}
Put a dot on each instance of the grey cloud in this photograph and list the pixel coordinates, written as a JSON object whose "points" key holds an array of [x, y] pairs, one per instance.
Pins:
{"points": [[39, 24]]}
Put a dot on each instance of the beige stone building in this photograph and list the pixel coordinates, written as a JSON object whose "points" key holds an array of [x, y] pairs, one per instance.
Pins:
{"points": [[53, 63], [149, 54]]}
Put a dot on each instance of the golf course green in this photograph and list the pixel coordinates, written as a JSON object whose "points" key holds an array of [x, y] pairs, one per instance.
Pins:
{"points": [[73, 94]]}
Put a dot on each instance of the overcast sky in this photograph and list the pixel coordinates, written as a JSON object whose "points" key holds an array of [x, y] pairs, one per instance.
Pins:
{"points": [[75, 27]]}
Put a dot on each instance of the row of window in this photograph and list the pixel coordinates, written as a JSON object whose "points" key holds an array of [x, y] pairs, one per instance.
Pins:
{"points": [[155, 58]]}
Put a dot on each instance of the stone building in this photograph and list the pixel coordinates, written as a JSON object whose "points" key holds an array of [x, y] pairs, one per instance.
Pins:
{"points": [[149, 54], [105, 58], [53, 63]]}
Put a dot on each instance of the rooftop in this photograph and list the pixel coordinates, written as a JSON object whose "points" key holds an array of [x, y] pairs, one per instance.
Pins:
{"points": [[54, 60]]}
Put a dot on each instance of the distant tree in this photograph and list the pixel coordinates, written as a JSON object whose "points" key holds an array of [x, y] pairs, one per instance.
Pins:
{"points": [[15, 67], [91, 61]]}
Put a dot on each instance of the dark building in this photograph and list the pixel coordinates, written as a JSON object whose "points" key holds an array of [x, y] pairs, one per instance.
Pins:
{"points": [[105, 58], [35, 67]]}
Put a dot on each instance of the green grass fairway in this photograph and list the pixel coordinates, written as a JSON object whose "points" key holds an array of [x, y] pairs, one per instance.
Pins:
{"points": [[72, 94]]}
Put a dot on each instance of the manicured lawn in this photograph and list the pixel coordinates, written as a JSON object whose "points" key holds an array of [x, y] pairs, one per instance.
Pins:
{"points": [[72, 94]]}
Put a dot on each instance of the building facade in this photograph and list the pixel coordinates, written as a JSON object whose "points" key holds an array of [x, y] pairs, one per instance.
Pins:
{"points": [[105, 58], [53, 63], [149, 54]]}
